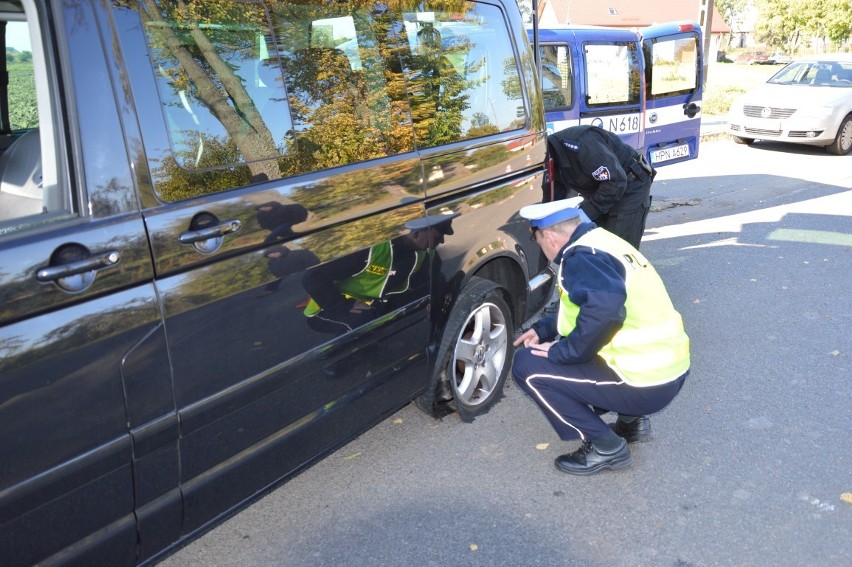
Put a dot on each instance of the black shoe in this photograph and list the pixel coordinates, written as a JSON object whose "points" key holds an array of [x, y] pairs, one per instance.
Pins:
{"points": [[588, 460], [637, 431]]}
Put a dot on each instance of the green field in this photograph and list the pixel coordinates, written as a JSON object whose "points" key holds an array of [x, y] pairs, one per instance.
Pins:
{"points": [[23, 111], [726, 81]]}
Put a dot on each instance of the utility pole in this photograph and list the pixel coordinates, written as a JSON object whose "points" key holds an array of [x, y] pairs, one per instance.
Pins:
{"points": [[705, 20]]}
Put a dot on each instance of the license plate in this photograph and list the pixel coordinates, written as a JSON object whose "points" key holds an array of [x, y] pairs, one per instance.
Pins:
{"points": [[762, 124], [670, 153]]}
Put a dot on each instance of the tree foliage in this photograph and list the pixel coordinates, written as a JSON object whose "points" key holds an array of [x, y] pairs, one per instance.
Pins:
{"points": [[789, 23]]}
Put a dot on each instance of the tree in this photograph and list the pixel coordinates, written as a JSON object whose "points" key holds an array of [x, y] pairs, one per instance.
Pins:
{"points": [[779, 23], [731, 10], [834, 20], [788, 23]]}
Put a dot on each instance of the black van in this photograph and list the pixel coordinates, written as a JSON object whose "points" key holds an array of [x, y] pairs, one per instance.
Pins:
{"points": [[234, 235]]}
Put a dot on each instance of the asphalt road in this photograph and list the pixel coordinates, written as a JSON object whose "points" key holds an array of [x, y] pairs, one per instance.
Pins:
{"points": [[749, 464]]}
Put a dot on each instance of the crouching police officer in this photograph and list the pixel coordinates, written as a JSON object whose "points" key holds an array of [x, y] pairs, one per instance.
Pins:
{"points": [[614, 179], [615, 344]]}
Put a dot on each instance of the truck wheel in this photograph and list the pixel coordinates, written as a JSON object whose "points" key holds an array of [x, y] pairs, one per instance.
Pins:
{"points": [[842, 143], [746, 141], [474, 356]]}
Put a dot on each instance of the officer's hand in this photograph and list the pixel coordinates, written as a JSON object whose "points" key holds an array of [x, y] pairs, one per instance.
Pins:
{"points": [[529, 338], [541, 349]]}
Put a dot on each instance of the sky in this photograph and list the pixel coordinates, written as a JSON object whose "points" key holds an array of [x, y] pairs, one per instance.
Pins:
{"points": [[18, 36]]}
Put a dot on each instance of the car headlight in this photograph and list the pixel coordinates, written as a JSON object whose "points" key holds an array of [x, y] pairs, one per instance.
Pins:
{"points": [[818, 111]]}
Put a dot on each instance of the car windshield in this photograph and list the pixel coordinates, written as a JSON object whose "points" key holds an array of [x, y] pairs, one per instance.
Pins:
{"points": [[815, 73]]}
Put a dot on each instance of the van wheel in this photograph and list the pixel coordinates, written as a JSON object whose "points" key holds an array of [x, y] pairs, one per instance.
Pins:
{"points": [[842, 143], [746, 141], [474, 356]]}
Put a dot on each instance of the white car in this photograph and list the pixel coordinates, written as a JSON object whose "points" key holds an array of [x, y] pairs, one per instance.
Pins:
{"points": [[807, 102], [779, 58]]}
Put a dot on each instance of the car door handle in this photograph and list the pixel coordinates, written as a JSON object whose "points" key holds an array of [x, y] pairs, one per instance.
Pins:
{"points": [[691, 110], [90, 264], [206, 233]]}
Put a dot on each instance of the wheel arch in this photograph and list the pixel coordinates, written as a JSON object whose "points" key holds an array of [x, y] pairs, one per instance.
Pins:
{"points": [[508, 273]]}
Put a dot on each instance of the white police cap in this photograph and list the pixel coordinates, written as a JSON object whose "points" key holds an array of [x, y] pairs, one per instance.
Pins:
{"points": [[544, 215]]}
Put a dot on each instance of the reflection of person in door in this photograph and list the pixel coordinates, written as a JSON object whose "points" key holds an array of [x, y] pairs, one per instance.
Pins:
{"points": [[279, 220], [350, 291]]}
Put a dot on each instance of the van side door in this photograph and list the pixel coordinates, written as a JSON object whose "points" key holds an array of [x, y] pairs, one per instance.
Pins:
{"points": [[673, 89], [281, 190]]}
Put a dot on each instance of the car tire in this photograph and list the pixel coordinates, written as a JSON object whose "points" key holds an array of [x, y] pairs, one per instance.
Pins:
{"points": [[842, 143], [474, 356], [741, 140]]}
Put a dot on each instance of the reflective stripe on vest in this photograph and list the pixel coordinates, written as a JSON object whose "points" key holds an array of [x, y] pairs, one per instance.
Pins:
{"points": [[651, 348]]}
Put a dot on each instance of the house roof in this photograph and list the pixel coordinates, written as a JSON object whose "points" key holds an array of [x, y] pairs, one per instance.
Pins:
{"points": [[630, 13]]}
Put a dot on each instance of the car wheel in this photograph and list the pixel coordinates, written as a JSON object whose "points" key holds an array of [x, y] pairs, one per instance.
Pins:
{"points": [[746, 141], [842, 143], [474, 356]]}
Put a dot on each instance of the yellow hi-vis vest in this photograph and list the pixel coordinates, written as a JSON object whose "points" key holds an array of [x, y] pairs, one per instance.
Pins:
{"points": [[651, 348], [369, 284]]}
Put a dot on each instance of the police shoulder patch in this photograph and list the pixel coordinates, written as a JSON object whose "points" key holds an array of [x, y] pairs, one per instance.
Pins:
{"points": [[571, 145], [601, 173]]}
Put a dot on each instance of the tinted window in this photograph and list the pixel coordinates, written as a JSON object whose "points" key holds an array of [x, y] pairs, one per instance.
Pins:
{"points": [[273, 90], [612, 74], [462, 74]]}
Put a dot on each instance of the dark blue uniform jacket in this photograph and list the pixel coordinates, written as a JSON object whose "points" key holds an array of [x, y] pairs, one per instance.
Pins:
{"points": [[595, 281]]}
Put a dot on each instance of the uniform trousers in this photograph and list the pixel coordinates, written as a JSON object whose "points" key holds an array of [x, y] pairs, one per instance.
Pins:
{"points": [[627, 218], [573, 395]]}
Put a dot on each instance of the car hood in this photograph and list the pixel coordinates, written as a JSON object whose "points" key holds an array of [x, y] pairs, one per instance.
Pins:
{"points": [[795, 96]]}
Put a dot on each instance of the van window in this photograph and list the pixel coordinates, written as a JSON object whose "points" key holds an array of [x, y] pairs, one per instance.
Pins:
{"points": [[557, 76], [30, 193], [271, 91], [462, 74], [674, 64], [612, 74]]}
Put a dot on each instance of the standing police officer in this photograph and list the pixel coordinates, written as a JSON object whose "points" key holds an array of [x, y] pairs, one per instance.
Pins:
{"points": [[614, 179], [615, 344]]}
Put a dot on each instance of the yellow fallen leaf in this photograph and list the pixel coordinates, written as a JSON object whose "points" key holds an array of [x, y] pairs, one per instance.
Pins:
{"points": [[846, 497], [398, 420], [352, 456], [474, 547], [542, 446]]}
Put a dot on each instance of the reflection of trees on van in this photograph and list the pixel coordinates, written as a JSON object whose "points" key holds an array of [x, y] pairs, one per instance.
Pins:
{"points": [[175, 183], [439, 96], [17, 351], [358, 188], [327, 244], [346, 97], [199, 60], [332, 125], [222, 67], [487, 156]]}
